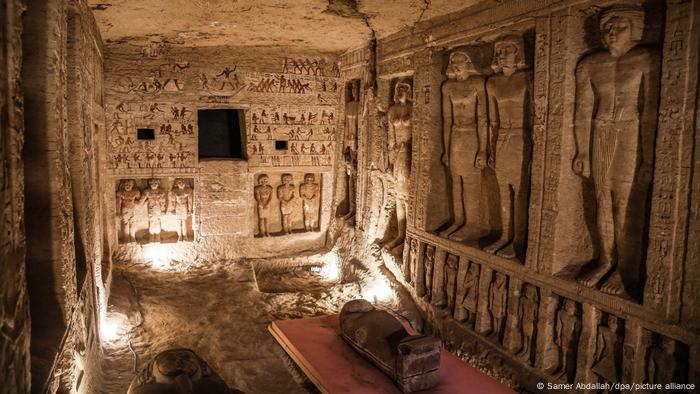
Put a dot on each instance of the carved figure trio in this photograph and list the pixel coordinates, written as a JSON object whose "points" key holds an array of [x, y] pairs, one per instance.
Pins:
{"points": [[309, 192]]}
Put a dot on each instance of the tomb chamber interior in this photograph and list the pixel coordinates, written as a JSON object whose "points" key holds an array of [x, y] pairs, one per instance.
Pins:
{"points": [[508, 187]]}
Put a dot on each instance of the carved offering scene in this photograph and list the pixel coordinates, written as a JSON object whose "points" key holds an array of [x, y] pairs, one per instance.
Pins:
{"points": [[350, 196]]}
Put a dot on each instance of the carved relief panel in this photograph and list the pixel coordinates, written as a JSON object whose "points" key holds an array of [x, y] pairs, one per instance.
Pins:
{"points": [[287, 203], [154, 210]]}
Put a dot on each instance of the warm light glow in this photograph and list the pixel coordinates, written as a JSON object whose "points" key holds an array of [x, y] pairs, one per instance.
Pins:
{"points": [[330, 270], [378, 291], [111, 327], [157, 255]]}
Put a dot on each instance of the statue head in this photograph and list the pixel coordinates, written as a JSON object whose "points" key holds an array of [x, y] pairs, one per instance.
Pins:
{"points": [[621, 27], [430, 252], [154, 183], [180, 183], [500, 279], [402, 92], [127, 185], [287, 179], [531, 293], [309, 178], [352, 91], [569, 307], [460, 66], [451, 261], [263, 179], [612, 323], [414, 244], [509, 54]]}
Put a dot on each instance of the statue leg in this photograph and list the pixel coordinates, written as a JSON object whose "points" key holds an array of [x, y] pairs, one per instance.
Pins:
{"points": [[400, 224], [624, 239], [606, 236], [506, 194], [518, 223], [350, 196], [457, 206]]}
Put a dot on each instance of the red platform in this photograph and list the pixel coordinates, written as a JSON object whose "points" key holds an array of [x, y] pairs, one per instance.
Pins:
{"points": [[334, 367]]}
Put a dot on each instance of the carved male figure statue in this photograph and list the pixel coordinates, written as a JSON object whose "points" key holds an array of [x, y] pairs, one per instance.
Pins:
{"points": [[608, 351], [181, 206], [127, 197], [510, 91], [155, 199], [466, 309], [449, 282], [497, 304], [352, 108], [527, 314], [308, 191], [399, 147], [263, 194], [663, 365], [285, 193], [464, 119], [429, 264], [615, 127], [566, 332], [412, 261]]}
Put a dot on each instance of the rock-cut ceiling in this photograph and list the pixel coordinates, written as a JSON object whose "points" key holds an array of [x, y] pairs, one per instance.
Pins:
{"points": [[327, 25]]}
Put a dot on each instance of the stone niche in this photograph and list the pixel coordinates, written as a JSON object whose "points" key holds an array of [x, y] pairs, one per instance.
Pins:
{"points": [[485, 145], [286, 203], [156, 209]]}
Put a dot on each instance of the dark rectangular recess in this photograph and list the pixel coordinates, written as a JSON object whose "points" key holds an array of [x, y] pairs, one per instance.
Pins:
{"points": [[280, 145], [220, 133], [145, 134]]}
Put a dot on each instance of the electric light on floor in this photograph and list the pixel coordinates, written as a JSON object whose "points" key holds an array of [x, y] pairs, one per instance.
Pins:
{"points": [[111, 326], [379, 290], [157, 255]]}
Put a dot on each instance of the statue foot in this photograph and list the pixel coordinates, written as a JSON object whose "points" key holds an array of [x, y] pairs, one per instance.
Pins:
{"points": [[394, 243], [614, 285], [349, 215], [496, 246], [592, 278], [466, 234], [454, 227], [507, 252], [397, 250]]}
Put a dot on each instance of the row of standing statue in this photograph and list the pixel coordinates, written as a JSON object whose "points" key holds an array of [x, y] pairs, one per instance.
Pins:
{"points": [[158, 202], [309, 192], [488, 121], [511, 318]]}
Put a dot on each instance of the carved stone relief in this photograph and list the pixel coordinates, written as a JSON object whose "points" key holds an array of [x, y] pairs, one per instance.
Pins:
{"points": [[467, 293], [607, 359], [498, 295], [567, 327], [145, 209], [350, 148], [399, 147], [509, 93], [615, 127], [310, 193], [464, 116], [284, 208]]}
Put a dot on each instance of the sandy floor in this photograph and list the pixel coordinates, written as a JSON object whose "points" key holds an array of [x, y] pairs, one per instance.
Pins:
{"points": [[217, 312]]}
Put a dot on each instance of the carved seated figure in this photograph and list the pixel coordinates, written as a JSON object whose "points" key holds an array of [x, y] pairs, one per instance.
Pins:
{"points": [[178, 371], [412, 362]]}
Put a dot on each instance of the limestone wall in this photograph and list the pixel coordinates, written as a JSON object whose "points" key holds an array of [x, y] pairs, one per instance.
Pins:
{"points": [[284, 96], [14, 314], [62, 75], [542, 298]]}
